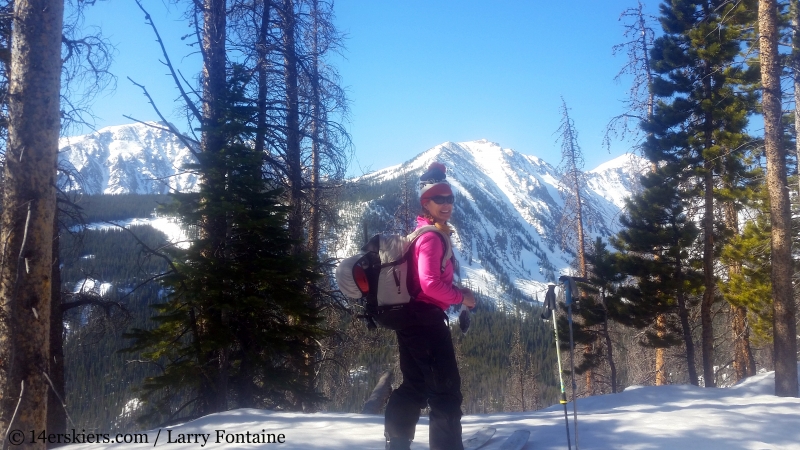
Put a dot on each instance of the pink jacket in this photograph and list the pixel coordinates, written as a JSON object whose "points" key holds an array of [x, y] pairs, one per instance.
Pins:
{"points": [[429, 284]]}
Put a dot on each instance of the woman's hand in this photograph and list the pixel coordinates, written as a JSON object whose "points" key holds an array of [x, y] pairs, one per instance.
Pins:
{"points": [[469, 298]]}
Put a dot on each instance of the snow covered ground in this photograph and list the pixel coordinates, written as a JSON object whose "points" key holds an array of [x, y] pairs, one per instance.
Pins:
{"points": [[167, 225], [745, 416]]}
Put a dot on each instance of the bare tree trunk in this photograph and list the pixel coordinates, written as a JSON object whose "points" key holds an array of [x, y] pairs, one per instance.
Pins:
{"points": [[709, 294], [262, 69], [212, 142], [293, 157], [710, 284], [571, 152], [610, 357], [794, 7], [56, 415], [29, 201], [785, 327], [744, 364], [661, 376], [314, 223], [214, 78], [683, 314]]}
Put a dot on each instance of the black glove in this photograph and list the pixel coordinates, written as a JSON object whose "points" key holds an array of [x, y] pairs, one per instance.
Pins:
{"points": [[463, 319]]}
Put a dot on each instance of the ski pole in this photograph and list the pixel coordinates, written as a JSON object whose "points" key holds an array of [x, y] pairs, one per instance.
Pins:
{"points": [[550, 303], [569, 291]]}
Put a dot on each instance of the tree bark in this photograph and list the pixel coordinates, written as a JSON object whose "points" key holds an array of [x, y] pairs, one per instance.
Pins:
{"points": [[293, 157], [683, 314], [212, 141], [314, 211], [609, 346], [784, 325], [661, 376], [794, 7], [26, 239], [706, 318], [262, 50], [56, 415]]}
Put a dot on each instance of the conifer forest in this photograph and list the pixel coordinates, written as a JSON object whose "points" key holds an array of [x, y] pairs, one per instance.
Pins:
{"points": [[112, 327]]}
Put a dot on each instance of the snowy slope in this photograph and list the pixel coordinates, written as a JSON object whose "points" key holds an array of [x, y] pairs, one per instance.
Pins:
{"points": [[641, 418], [134, 158], [507, 215]]}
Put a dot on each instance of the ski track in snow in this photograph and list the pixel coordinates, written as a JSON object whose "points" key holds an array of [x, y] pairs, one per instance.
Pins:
{"points": [[745, 416]]}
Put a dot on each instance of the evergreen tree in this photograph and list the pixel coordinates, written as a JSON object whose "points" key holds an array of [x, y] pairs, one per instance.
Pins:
{"points": [[750, 287], [600, 308], [655, 222], [701, 115], [238, 315]]}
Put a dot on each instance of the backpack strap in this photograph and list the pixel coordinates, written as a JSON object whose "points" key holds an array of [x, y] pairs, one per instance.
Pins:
{"points": [[448, 247]]}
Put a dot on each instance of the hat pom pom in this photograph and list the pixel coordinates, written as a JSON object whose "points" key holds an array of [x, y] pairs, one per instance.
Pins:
{"points": [[437, 166], [436, 173]]}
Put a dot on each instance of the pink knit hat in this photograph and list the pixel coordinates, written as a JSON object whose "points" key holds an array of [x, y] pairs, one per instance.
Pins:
{"points": [[434, 182]]}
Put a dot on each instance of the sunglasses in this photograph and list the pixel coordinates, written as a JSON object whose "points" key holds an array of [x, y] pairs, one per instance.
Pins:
{"points": [[442, 199]]}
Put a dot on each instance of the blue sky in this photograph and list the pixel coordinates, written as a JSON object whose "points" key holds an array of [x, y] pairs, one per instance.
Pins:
{"points": [[422, 72]]}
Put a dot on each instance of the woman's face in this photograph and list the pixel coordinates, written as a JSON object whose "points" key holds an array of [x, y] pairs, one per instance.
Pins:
{"points": [[440, 207]]}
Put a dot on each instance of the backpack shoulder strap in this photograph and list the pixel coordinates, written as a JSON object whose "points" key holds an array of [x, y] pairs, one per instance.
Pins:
{"points": [[448, 248]]}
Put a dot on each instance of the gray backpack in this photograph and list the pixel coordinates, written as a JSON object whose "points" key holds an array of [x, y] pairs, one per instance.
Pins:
{"points": [[379, 274]]}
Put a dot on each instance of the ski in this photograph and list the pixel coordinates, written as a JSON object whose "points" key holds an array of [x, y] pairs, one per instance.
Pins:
{"points": [[479, 439], [516, 441]]}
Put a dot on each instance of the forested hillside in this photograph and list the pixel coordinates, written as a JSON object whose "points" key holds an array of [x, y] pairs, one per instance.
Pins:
{"points": [[673, 263], [505, 352], [110, 267]]}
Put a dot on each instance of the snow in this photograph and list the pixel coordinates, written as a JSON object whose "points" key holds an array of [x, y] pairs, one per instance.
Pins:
{"points": [[167, 225], [136, 158], [90, 285], [620, 162], [515, 204], [745, 416]]}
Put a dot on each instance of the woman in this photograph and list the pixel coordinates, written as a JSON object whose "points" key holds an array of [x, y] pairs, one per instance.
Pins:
{"points": [[427, 358]]}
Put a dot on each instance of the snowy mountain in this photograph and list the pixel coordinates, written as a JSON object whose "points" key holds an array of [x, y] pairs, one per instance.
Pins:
{"points": [[136, 158], [507, 214], [745, 416]]}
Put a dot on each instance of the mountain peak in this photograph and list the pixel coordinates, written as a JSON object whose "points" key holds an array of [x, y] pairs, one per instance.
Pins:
{"points": [[506, 217], [138, 158]]}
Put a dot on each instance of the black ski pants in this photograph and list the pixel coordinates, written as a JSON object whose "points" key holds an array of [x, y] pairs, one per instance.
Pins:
{"points": [[430, 378]]}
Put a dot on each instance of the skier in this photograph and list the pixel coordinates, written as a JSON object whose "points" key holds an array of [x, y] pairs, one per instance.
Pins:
{"points": [[427, 357]]}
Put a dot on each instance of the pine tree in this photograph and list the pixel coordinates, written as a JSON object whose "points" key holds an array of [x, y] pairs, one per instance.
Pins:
{"points": [[655, 222], [601, 308], [750, 287], [701, 115], [237, 317]]}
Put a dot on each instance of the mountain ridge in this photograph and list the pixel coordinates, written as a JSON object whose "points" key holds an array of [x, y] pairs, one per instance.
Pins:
{"points": [[507, 217], [140, 158], [506, 226]]}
